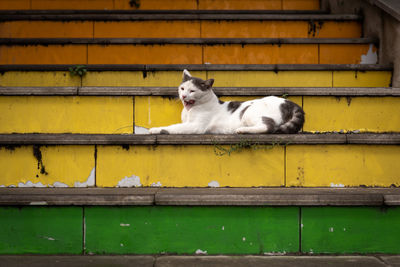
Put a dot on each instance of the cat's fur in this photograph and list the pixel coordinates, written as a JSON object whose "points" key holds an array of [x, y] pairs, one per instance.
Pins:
{"points": [[203, 113]]}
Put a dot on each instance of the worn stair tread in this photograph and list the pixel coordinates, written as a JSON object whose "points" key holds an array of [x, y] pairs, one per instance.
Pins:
{"points": [[201, 196], [220, 91], [200, 139], [177, 16], [201, 67], [198, 41]]}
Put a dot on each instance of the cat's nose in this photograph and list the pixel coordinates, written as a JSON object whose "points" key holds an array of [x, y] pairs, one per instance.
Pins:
{"points": [[183, 96]]}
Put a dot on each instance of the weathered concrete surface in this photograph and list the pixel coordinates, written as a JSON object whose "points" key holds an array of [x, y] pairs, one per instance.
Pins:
{"points": [[76, 261], [377, 24], [393, 261], [199, 261]]}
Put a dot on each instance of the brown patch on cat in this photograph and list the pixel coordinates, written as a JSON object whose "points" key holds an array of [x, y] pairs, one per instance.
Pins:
{"points": [[270, 124], [220, 101], [292, 116], [164, 131], [243, 111], [234, 105]]}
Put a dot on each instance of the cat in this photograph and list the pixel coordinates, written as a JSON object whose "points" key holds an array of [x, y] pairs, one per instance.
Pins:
{"points": [[204, 113]]}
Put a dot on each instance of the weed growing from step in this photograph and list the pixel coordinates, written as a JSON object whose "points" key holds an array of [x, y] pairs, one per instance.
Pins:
{"points": [[134, 3], [78, 70], [219, 150]]}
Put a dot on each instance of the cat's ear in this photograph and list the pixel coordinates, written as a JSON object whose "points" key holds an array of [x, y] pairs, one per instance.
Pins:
{"points": [[186, 76], [209, 83]]}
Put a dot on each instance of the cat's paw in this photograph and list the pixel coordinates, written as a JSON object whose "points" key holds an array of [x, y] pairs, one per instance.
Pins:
{"points": [[241, 130], [158, 130]]}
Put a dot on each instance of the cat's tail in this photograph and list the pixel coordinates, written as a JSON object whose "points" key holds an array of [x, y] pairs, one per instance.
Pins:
{"points": [[293, 117]]}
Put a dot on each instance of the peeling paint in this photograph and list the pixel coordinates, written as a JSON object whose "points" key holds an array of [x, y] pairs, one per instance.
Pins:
{"points": [[158, 184], [244, 239], [331, 229], [124, 224], [337, 185], [48, 238], [223, 228], [371, 57], [213, 184], [89, 181], [201, 252], [141, 130], [132, 181], [30, 184]]}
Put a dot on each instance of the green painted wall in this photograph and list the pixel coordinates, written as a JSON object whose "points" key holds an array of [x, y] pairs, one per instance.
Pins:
{"points": [[350, 230], [184, 230], [217, 230], [42, 230]]}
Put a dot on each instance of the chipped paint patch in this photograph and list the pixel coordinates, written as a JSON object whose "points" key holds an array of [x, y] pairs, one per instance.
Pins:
{"points": [[48, 238], [124, 224], [244, 239], [336, 185], [201, 252], [59, 184], [132, 181], [371, 57], [213, 184], [331, 229], [30, 184], [89, 181], [223, 228], [158, 184], [141, 130]]}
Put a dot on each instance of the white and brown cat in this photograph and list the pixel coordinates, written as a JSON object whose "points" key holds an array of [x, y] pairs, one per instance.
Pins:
{"points": [[204, 113]]}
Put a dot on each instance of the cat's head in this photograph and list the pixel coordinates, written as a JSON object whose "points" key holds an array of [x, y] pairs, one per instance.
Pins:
{"points": [[193, 90]]}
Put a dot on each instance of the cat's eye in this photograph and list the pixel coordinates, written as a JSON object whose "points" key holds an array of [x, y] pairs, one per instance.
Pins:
{"points": [[182, 88], [192, 91]]}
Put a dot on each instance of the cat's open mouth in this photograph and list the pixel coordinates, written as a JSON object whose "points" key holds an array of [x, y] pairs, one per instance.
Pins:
{"points": [[188, 104]]}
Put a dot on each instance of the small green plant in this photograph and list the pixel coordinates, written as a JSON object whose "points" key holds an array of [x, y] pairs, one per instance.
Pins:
{"points": [[285, 95], [220, 150], [78, 70], [134, 3]]}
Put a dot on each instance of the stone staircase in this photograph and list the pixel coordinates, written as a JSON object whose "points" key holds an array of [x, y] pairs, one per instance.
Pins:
{"points": [[82, 81]]}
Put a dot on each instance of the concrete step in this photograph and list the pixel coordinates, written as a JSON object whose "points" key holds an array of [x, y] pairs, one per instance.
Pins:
{"points": [[199, 261], [180, 26], [200, 196], [231, 160], [188, 51], [59, 109], [159, 4]]}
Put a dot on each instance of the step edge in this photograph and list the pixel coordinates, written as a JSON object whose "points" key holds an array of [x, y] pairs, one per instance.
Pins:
{"points": [[220, 91], [198, 139]]}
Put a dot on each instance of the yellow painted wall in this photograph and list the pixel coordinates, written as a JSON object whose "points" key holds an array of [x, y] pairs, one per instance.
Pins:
{"points": [[15, 4], [178, 29], [183, 54], [180, 166], [40, 54], [371, 114], [261, 54], [19, 165], [338, 165], [147, 29], [272, 79], [157, 4], [72, 4], [39, 78], [222, 78], [136, 78], [46, 29], [362, 78], [58, 114]]}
